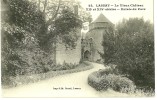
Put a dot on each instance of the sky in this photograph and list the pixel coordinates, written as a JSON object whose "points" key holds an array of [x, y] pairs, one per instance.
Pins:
{"points": [[118, 15]]}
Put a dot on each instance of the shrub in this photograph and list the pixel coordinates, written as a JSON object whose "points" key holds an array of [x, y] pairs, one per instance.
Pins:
{"points": [[115, 82], [110, 70], [64, 66], [22, 56], [25, 79], [94, 80], [131, 48], [20, 51], [143, 92], [119, 83]]}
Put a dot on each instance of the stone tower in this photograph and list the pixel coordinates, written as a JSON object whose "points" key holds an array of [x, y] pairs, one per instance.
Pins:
{"points": [[92, 44]]}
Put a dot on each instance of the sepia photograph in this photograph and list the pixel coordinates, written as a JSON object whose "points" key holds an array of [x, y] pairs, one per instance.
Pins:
{"points": [[77, 48]]}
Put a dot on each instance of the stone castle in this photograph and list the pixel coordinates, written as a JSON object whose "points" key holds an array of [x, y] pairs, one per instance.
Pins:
{"points": [[89, 43]]}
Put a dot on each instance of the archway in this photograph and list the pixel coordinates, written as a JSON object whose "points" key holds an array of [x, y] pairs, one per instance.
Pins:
{"points": [[87, 55]]}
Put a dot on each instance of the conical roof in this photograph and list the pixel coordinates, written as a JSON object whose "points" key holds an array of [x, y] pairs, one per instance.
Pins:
{"points": [[101, 18]]}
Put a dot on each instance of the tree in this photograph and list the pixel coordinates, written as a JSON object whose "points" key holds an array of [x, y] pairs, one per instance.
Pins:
{"points": [[132, 50], [25, 28], [24, 14], [53, 12], [108, 46], [20, 50]]}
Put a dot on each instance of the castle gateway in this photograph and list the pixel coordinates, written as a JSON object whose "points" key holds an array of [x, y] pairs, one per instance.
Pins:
{"points": [[91, 42]]}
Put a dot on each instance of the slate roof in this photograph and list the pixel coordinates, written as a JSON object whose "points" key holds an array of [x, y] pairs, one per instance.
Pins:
{"points": [[101, 18]]}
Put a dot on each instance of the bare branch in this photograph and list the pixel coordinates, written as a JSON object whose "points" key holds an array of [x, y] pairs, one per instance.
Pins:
{"points": [[39, 4], [55, 14], [45, 4]]}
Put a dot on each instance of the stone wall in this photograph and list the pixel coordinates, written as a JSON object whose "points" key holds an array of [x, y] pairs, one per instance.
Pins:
{"points": [[69, 55], [97, 36], [98, 25]]}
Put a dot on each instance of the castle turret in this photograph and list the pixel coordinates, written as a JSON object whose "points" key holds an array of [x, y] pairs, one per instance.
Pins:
{"points": [[97, 29], [100, 22]]}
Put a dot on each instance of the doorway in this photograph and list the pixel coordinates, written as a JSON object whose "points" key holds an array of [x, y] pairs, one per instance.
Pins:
{"points": [[87, 55]]}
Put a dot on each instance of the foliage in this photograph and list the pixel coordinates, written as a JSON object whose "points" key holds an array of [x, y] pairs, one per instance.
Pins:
{"points": [[62, 23], [29, 39], [132, 50], [20, 51], [64, 66], [118, 83], [94, 81], [105, 81], [108, 47], [109, 70], [25, 79], [24, 14], [143, 92], [21, 57], [66, 27]]}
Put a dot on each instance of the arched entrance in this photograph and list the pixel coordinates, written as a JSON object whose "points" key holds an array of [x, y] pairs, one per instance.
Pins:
{"points": [[87, 55]]}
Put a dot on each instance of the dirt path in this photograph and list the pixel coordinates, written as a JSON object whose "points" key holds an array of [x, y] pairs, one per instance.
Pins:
{"points": [[68, 85]]}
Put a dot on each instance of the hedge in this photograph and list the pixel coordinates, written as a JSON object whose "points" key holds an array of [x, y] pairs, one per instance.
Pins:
{"points": [[116, 82]]}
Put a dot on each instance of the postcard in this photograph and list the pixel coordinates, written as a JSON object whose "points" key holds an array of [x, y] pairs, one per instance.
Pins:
{"points": [[77, 48]]}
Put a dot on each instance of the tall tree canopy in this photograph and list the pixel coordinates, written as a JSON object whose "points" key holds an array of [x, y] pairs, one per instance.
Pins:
{"points": [[31, 28], [62, 17], [131, 48]]}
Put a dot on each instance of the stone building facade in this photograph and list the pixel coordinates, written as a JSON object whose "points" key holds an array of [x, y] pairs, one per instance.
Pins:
{"points": [[92, 44], [69, 55], [89, 43]]}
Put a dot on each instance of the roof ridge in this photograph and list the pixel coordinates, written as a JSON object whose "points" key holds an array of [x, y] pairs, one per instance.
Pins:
{"points": [[101, 18]]}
